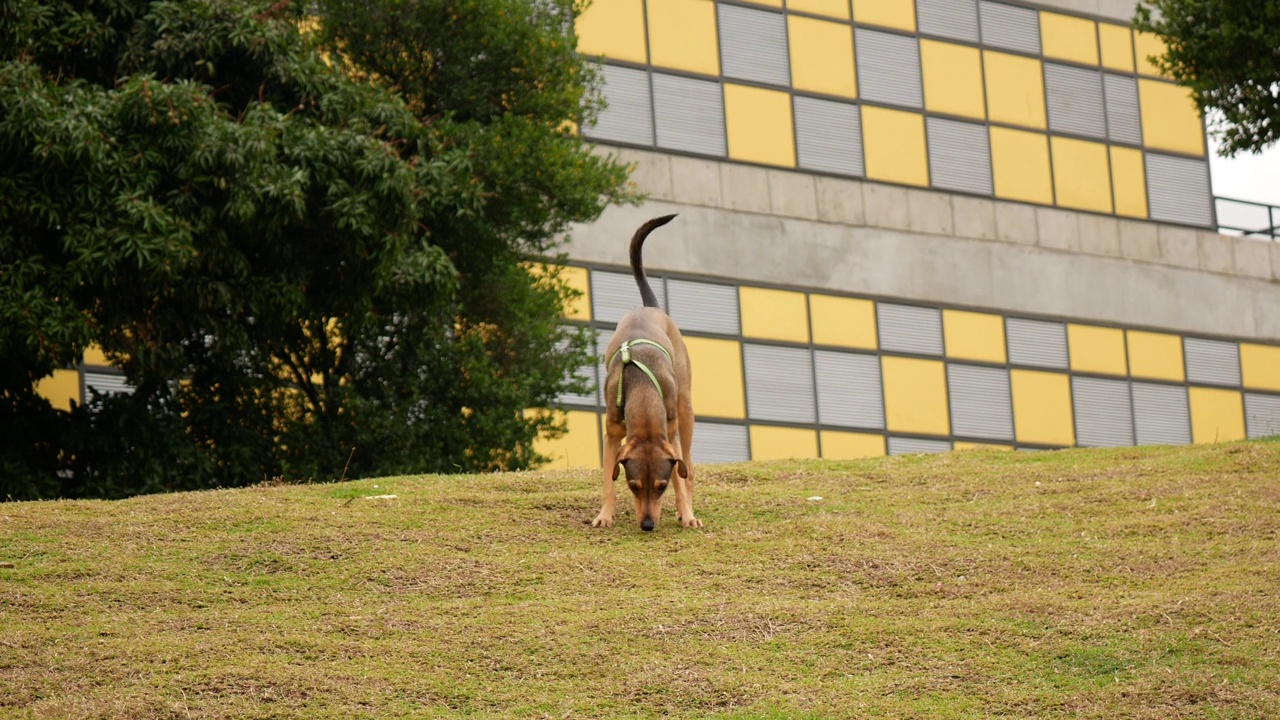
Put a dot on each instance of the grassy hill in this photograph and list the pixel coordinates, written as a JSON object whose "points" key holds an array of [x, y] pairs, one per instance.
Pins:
{"points": [[1130, 583]]}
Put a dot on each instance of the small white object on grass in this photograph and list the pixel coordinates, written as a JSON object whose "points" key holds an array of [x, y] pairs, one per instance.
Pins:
{"points": [[815, 498], [379, 497]]}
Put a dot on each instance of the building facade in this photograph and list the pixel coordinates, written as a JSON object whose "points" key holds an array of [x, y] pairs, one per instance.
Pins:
{"points": [[922, 225]]}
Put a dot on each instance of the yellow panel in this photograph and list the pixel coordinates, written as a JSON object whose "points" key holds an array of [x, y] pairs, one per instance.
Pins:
{"points": [[1129, 181], [1015, 89], [1260, 366], [1081, 176], [579, 447], [770, 3], [966, 445], [613, 28], [1156, 356], [830, 8], [900, 14], [1170, 118], [1146, 46], [1216, 415], [1117, 47], [893, 146], [1042, 407], [952, 79], [779, 443], [1096, 349], [717, 377], [915, 396], [93, 355], [821, 57], [1020, 165], [579, 308], [1068, 38], [60, 388], [973, 336], [774, 314], [843, 322], [837, 445], [682, 35], [759, 124]]}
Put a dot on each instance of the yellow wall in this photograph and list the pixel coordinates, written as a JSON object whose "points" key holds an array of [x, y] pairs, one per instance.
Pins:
{"points": [[952, 79], [822, 58], [717, 377], [899, 14], [1015, 89], [1147, 46], [894, 146], [1081, 174], [580, 447], [759, 125], [781, 443], [1116, 42], [1042, 407], [1260, 366], [1129, 182], [832, 8], [1217, 415], [1170, 118], [1065, 37], [60, 388], [682, 35], [839, 445], [843, 322], [774, 314], [1096, 349], [1155, 356], [614, 29], [1020, 165], [973, 336], [915, 396]]}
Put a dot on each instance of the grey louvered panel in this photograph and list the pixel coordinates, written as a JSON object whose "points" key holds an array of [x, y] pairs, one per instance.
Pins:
{"points": [[1074, 98], [849, 389], [629, 114], [689, 114], [905, 328], [1178, 190], [753, 45], [1009, 27], [603, 338], [1124, 123], [904, 446], [1104, 417], [980, 404], [779, 383], [105, 384], [828, 136], [957, 19], [1160, 414], [959, 156], [615, 294], [586, 372], [719, 443], [1212, 362], [1036, 343], [703, 307], [888, 68], [1261, 415]]}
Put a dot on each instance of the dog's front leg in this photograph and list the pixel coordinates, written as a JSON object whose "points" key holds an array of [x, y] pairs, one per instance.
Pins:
{"points": [[608, 507]]}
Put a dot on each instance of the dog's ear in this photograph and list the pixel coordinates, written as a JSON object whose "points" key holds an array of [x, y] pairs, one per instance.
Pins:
{"points": [[675, 458], [623, 455]]}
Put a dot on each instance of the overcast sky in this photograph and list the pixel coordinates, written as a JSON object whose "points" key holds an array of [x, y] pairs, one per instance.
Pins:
{"points": [[1246, 177]]}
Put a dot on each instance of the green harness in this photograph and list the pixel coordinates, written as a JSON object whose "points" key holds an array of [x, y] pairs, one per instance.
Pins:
{"points": [[625, 351]]}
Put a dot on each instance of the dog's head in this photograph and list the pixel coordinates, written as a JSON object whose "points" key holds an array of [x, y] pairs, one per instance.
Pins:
{"points": [[649, 467]]}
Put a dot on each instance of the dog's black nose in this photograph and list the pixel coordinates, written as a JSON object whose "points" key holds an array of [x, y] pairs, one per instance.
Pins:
{"points": [[646, 525]]}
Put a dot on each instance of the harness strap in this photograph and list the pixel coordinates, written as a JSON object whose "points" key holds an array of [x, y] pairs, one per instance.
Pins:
{"points": [[625, 351]]}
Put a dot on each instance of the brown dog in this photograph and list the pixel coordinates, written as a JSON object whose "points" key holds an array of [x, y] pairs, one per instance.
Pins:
{"points": [[647, 402]]}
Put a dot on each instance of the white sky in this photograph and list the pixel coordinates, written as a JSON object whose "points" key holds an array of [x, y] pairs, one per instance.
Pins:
{"points": [[1246, 177]]}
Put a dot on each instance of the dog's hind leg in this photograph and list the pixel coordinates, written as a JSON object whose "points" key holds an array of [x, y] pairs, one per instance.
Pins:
{"points": [[684, 486]]}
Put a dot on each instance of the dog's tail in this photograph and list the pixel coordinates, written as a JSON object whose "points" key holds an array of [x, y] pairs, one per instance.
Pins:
{"points": [[637, 266]]}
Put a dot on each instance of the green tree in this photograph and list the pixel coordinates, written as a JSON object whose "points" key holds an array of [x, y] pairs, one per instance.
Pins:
{"points": [[1228, 53], [301, 268]]}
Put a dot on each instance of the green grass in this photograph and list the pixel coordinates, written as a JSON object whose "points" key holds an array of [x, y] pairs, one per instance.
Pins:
{"points": [[1129, 583]]}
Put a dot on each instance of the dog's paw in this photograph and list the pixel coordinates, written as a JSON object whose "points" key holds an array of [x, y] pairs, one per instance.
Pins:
{"points": [[602, 520], [692, 522]]}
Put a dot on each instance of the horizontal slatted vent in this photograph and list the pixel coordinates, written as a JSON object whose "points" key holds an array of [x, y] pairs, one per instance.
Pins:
{"points": [[719, 443], [1160, 414], [689, 114], [779, 383], [1212, 362], [980, 405], [105, 384], [1036, 343], [615, 294], [955, 19], [1178, 190], [888, 68], [904, 446], [1074, 98], [628, 117], [1123, 121], [1104, 417], [603, 338], [703, 307], [849, 390], [1009, 27], [906, 328], [1261, 415], [959, 156], [753, 45], [587, 373], [828, 136]]}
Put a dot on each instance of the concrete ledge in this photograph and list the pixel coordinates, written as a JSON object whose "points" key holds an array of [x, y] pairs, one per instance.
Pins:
{"points": [[790, 194]]}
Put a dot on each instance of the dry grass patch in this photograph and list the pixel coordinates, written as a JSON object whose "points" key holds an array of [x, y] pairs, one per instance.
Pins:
{"points": [[1131, 583]]}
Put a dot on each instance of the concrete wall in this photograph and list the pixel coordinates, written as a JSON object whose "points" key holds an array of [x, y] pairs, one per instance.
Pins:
{"points": [[1119, 10], [778, 227]]}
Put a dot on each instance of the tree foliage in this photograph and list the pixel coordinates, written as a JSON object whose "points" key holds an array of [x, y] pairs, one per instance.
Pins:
{"points": [[304, 263], [1228, 53]]}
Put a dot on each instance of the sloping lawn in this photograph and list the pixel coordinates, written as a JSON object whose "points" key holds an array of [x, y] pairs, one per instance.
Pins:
{"points": [[1130, 583]]}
